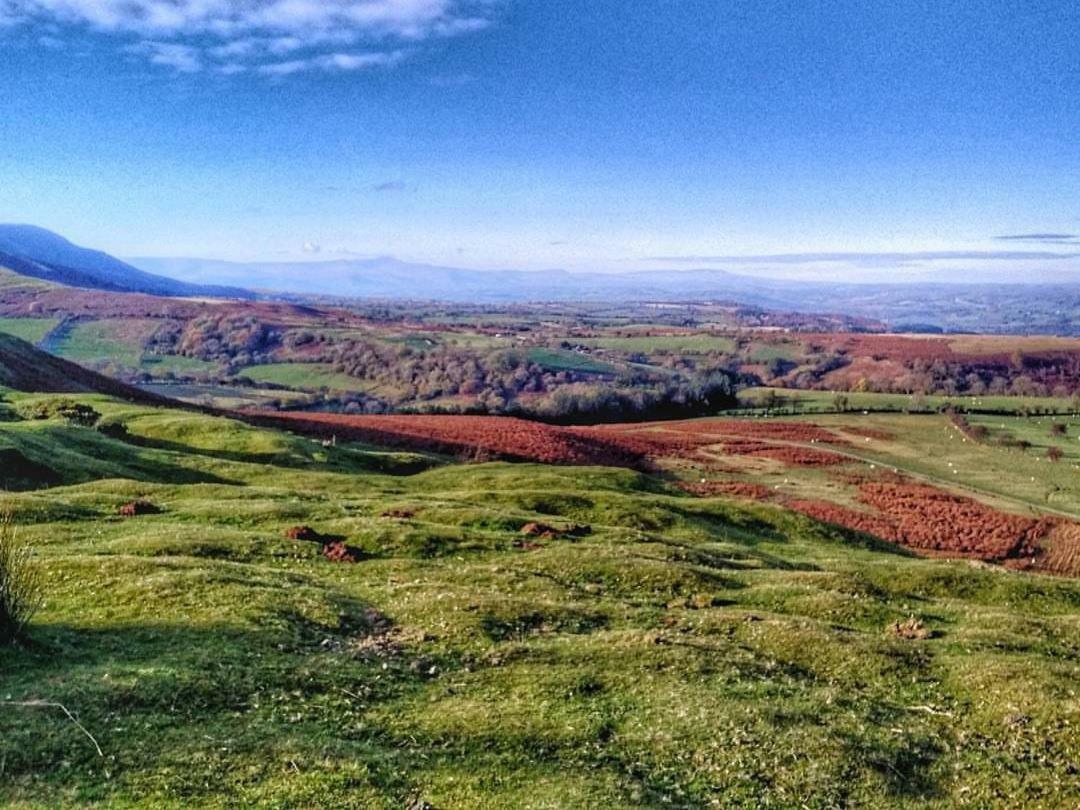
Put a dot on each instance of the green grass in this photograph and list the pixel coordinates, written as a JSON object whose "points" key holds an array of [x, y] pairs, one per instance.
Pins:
{"points": [[303, 376], [161, 364], [824, 401], [686, 653], [561, 360], [119, 340], [32, 330], [681, 344], [224, 396], [931, 446], [764, 352]]}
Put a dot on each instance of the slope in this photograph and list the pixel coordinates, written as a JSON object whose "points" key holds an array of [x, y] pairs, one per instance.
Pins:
{"points": [[677, 652], [23, 367], [37, 253]]}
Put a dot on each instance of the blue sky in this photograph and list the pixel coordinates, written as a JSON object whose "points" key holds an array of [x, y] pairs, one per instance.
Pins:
{"points": [[550, 133]]}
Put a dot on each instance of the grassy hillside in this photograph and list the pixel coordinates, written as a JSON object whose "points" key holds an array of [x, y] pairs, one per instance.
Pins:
{"points": [[119, 340], [32, 330], [677, 651], [26, 368]]}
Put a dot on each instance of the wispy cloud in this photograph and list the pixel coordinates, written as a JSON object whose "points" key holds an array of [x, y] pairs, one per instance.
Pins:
{"points": [[181, 58], [332, 63], [235, 36], [1042, 238], [390, 185], [873, 259]]}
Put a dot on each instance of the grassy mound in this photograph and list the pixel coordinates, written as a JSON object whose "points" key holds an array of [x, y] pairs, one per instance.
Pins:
{"points": [[682, 652]]}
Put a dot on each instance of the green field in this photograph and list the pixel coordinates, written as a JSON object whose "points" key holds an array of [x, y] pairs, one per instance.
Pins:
{"points": [[161, 364], [304, 376], [683, 344], [32, 330], [932, 447], [224, 396], [561, 360], [764, 352], [686, 652], [119, 340], [826, 401]]}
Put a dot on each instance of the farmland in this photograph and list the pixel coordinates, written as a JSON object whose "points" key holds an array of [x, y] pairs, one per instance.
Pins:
{"points": [[302, 376], [645, 645], [555, 361], [779, 400]]}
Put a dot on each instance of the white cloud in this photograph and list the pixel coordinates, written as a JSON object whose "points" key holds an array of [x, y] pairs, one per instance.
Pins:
{"points": [[181, 58], [332, 63], [237, 35]]}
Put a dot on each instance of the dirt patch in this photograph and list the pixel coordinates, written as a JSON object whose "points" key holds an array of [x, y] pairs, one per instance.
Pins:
{"points": [[546, 532], [341, 553], [305, 533], [138, 508], [736, 489], [911, 629], [334, 547]]}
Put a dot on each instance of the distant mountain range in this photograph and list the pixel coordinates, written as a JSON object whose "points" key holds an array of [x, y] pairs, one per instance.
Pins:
{"points": [[388, 277], [940, 303], [38, 253]]}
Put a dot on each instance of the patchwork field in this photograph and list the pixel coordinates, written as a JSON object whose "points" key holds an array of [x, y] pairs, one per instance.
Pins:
{"points": [[505, 635], [557, 362], [303, 376]]}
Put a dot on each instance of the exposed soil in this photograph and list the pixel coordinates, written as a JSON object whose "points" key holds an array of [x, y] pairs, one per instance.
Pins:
{"points": [[137, 508]]}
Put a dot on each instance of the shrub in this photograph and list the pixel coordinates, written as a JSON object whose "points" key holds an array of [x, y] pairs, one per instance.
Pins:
{"points": [[77, 413], [20, 583]]}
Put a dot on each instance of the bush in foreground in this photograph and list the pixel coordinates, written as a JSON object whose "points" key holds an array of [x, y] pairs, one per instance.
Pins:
{"points": [[20, 583]]}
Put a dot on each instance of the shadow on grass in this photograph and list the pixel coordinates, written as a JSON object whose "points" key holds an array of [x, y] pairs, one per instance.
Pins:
{"points": [[353, 463], [197, 713], [80, 455]]}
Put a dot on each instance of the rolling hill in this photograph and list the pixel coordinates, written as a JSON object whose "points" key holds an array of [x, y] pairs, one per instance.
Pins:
{"points": [[37, 253], [26, 368], [470, 635]]}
